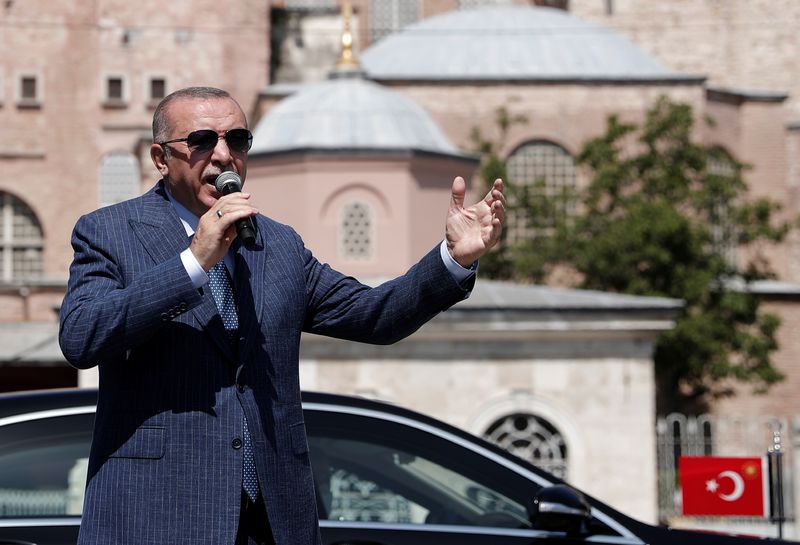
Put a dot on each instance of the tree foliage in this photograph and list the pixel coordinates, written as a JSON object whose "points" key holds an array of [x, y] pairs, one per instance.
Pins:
{"points": [[656, 219]]}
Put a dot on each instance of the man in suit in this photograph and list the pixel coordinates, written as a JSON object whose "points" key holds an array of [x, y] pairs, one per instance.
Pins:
{"points": [[199, 435]]}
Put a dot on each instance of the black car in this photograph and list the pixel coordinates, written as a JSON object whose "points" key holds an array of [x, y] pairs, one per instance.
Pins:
{"points": [[384, 476]]}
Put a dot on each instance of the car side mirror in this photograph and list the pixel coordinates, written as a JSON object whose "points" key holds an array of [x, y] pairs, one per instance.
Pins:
{"points": [[560, 508]]}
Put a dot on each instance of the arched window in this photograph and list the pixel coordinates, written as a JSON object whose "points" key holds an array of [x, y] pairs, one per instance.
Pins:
{"points": [[531, 438], [539, 162], [723, 230], [389, 16], [356, 236], [22, 243], [119, 178]]}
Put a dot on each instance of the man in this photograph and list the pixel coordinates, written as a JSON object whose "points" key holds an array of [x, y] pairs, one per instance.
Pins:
{"points": [[199, 435]]}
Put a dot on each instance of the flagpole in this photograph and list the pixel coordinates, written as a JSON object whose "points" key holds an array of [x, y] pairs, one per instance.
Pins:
{"points": [[775, 456]]}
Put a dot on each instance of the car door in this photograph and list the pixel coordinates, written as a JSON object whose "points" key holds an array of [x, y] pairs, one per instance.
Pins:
{"points": [[43, 461], [385, 479]]}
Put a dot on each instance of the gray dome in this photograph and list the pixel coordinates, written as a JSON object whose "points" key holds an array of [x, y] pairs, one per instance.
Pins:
{"points": [[349, 113], [510, 43]]}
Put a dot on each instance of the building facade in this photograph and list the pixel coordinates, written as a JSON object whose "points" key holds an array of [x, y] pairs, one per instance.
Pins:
{"points": [[369, 182]]}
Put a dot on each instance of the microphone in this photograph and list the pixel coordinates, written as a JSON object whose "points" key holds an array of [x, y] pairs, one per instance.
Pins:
{"points": [[229, 182]]}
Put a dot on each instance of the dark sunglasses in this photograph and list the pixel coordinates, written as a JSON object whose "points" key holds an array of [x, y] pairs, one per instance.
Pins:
{"points": [[205, 140]]}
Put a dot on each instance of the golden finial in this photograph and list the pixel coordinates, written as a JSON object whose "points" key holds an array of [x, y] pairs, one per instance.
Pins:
{"points": [[347, 60]]}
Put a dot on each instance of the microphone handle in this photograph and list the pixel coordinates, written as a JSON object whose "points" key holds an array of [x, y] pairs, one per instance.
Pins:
{"points": [[245, 229]]}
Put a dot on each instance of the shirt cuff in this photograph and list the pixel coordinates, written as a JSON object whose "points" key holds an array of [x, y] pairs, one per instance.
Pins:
{"points": [[458, 272], [194, 270]]}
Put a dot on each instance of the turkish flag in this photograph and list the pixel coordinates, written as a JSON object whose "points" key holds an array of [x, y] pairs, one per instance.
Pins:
{"points": [[713, 485]]}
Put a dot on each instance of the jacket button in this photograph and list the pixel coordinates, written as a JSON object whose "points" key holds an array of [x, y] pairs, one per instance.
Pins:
{"points": [[236, 443], [183, 307], [164, 317], [242, 388]]}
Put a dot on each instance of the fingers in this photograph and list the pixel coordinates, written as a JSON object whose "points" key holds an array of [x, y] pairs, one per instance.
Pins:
{"points": [[495, 192], [228, 211], [458, 192], [496, 200], [499, 212], [216, 230]]}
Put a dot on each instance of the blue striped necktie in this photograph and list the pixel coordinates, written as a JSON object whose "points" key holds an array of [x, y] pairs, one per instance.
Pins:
{"points": [[223, 295]]}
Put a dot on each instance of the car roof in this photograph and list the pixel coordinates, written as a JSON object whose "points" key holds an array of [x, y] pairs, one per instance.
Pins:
{"points": [[15, 403], [34, 401], [18, 403]]}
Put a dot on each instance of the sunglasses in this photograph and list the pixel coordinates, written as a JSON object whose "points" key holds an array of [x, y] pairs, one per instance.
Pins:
{"points": [[205, 140]]}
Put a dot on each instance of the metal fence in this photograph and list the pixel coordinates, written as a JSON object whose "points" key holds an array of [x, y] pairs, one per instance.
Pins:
{"points": [[713, 435]]}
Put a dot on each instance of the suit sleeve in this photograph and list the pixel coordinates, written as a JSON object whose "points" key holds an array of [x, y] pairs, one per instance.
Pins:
{"points": [[107, 311], [340, 306]]}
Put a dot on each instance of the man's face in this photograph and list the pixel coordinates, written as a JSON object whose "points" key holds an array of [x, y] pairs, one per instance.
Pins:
{"points": [[191, 173]]}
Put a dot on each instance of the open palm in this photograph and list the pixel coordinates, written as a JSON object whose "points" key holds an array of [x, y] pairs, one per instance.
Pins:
{"points": [[470, 232]]}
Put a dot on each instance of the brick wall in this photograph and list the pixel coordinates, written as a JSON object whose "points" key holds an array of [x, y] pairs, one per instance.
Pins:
{"points": [[50, 151], [748, 44]]}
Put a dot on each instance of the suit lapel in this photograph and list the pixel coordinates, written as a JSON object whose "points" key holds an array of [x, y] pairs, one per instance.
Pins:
{"points": [[163, 236]]}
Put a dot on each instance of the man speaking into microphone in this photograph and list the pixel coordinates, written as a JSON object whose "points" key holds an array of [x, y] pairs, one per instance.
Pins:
{"points": [[191, 304], [229, 182]]}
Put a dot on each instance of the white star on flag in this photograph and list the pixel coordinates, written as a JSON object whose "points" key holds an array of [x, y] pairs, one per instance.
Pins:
{"points": [[711, 486]]}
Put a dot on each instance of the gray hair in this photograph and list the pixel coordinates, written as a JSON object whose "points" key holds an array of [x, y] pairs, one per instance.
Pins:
{"points": [[161, 127]]}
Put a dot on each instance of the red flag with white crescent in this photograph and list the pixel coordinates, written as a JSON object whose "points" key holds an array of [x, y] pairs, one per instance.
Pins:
{"points": [[715, 485]]}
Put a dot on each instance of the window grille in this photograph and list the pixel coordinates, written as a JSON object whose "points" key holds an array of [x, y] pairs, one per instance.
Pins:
{"points": [[531, 438], [533, 162], [723, 229], [356, 237], [22, 243], [119, 178], [388, 16], [158, 89]]}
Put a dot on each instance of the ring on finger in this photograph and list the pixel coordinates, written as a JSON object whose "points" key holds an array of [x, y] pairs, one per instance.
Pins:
{"points": [[219, 213]]}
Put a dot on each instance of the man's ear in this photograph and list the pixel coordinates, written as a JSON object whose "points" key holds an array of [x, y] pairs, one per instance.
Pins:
{"points": [[159, 156]]}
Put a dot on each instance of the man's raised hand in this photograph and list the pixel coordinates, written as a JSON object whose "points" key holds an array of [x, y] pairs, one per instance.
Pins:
{"points": [[470, 232]]}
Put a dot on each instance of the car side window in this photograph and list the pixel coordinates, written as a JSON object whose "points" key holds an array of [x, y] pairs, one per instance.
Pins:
{"points": [[43, 466], [363, 481], [394, 476]]}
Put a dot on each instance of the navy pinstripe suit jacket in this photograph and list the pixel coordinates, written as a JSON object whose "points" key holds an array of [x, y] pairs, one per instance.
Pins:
{"points": [[173, 391]]}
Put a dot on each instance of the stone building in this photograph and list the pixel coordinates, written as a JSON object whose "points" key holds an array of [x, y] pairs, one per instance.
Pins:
{"points": [[78, 85], [369, 179]]}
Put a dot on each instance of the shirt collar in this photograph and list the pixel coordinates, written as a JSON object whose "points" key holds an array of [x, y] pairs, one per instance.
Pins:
{"points": [[188, 219]]}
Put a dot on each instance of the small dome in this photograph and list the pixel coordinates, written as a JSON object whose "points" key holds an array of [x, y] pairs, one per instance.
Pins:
{"points": [[510, 43], [349, 113]]}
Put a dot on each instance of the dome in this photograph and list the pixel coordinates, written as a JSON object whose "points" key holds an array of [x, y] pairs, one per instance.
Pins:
{"points": [[349, 113], [510, 43]]}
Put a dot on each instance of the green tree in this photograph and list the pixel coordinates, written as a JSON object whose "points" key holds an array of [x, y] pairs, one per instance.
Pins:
{"points": [[496, 264], [655, 220]]}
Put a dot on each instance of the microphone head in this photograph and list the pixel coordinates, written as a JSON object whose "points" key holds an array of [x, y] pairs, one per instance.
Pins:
{"points": [[228, 178]]}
